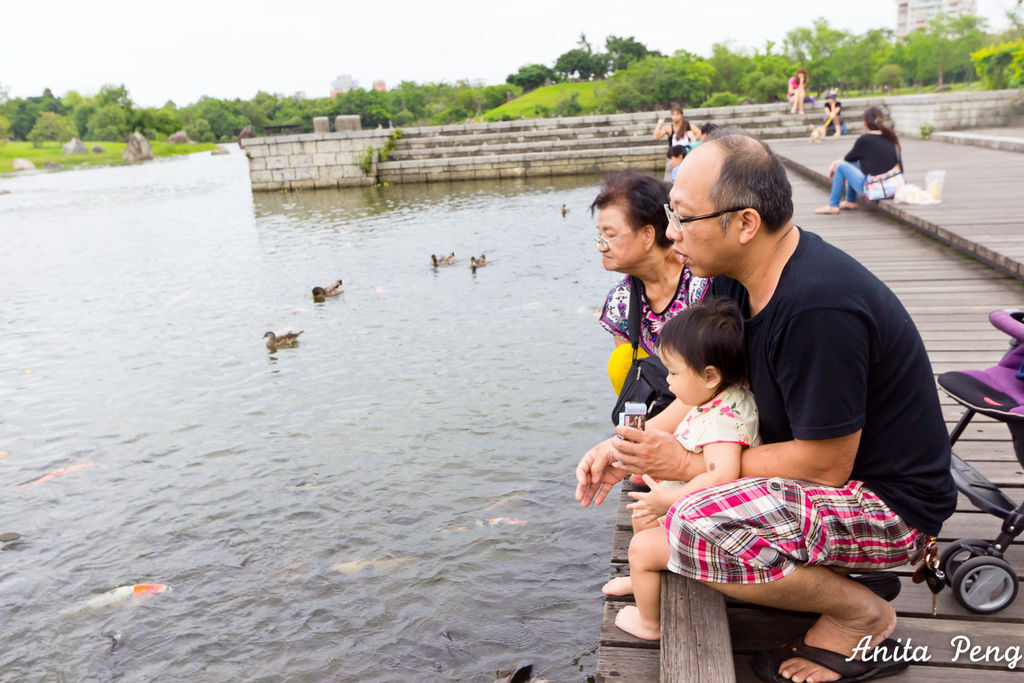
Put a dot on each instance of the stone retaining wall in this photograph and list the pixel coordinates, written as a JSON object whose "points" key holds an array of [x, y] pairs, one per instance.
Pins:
{"points": [[313, 160]]}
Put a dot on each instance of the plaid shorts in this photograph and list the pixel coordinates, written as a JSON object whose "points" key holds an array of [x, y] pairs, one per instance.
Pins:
{"points": [[757, 530]]}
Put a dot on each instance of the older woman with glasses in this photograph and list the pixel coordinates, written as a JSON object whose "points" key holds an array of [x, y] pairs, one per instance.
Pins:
{"points": [[631, 225]]}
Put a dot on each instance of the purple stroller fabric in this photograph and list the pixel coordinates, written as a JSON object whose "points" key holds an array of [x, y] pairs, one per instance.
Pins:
{"points": [[996, 391]]}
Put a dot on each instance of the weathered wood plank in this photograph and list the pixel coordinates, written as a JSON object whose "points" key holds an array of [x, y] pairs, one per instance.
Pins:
{"points": [[695, 643], [627, 664]]}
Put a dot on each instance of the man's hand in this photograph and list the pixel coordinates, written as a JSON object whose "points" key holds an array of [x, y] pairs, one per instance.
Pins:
{"points": [[835, 164], [595, 478], [656, 453]]}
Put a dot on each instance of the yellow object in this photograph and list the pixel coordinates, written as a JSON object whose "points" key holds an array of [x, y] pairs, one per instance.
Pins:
{"points": [[619, 363]]}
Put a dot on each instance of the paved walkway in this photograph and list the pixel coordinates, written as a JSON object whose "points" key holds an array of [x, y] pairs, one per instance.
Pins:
{"points": [[982, 209]]}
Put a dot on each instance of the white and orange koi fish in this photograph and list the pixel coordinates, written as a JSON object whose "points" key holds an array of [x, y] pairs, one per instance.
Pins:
{"points": [[59, 473]]}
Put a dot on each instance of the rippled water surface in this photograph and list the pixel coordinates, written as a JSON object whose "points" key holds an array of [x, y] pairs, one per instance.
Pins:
{"points": [[319, 513]]}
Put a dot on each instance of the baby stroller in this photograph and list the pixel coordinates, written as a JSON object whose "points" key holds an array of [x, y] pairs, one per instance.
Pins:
{"points": [[982, 581]]}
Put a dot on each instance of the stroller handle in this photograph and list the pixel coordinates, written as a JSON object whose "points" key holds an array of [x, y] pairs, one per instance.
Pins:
{"points": [[1010, 321]]}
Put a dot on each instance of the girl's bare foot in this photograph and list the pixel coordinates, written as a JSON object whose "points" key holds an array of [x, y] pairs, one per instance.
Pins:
{"points": [[621, 585], [628, 619], [842, 637], [847, 205], [830, 210]]}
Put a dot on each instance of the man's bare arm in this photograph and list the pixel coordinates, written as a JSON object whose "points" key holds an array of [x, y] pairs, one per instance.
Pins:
{"points": [[822, 461]]}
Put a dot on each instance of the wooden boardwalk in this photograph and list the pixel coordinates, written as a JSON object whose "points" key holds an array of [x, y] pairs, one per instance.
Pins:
{"points": [[982, 209], [949, 297]]}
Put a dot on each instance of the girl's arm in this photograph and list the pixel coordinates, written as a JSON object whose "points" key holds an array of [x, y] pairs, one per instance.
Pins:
{"points": [[723, 465], [660, 129]]}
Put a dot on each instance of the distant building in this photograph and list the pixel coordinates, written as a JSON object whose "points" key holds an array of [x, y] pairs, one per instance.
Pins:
{"points": [[379, 85], [914, 14], [343, 83], [299, 96]]}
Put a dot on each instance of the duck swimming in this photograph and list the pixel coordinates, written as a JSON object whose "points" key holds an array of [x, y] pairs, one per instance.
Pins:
{"points": [[565, 210], [277, 341], [443, 261], [320, 293], [475, 263]]}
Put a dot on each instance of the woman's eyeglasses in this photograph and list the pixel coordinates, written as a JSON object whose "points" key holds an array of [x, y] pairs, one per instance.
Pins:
{"points": [[605, 242]]}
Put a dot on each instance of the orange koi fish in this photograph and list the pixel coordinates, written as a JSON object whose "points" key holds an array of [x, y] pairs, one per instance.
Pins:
{"points": [[58, 473]]}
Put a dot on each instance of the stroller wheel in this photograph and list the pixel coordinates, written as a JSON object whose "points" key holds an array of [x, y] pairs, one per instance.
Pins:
{"points": [[958, 552], [985, 585]]}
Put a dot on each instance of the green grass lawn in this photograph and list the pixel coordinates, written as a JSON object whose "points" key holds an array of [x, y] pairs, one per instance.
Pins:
{"points": [[50, 151], [525, 106]]}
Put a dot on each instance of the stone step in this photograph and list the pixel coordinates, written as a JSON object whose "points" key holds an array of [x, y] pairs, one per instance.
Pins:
{"points": [[741, 114], [561, 139]]}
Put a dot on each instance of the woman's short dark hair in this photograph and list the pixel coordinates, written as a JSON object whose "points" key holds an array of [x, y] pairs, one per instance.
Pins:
{"points": [[641, 197], [710, 333]]}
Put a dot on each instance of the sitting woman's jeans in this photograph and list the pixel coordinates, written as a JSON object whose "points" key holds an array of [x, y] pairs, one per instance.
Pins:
{"points": [[847, 172]]}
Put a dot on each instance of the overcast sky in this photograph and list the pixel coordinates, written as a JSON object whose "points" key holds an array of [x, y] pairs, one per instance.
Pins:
{"points": [[184, 50]]}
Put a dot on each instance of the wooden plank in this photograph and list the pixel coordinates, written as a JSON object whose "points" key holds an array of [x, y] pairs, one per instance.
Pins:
{"points": [[695, 639], [627, 664]]}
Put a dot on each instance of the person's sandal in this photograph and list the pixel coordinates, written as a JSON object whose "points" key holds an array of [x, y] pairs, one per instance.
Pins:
{"points": [[766, 663]]}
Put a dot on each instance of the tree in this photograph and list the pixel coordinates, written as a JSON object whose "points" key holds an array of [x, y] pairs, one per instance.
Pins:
{"points": [[108, 123], [5, 129], [575, 63], [890, 75], [51, 127], [529, 76], [622, 52], [814, 49]]}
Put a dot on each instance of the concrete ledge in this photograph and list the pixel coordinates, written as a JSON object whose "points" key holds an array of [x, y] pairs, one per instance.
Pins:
{"points": [[1005, 144]]}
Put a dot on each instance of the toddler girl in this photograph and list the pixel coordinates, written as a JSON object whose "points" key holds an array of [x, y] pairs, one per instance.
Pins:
{"points": [[702, 347]]}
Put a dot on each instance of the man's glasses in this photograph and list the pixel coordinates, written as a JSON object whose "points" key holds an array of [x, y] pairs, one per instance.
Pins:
{"points": [[677, 221]]}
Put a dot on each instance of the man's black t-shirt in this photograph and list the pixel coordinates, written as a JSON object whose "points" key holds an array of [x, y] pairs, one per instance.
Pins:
{"points": [[834, 351]]}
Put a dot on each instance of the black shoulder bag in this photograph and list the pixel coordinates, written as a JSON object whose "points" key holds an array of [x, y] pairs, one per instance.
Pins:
{"points": [[647, 381]]}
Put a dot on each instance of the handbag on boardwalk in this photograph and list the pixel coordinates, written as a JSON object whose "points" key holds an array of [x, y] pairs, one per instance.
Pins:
{"points": [[647, 380], [884, 185]]}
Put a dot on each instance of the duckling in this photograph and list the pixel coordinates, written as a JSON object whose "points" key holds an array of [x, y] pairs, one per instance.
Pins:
{"points": [[319, 293], [565, 210], [443, 261], [475, 263], [287, 339]]}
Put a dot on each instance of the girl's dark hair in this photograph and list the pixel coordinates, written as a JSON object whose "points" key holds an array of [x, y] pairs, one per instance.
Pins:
{"points": [[710, 333], [874, 120], [678, 109], [676, 151], [803, 71], [709, 128], [641, 197]]}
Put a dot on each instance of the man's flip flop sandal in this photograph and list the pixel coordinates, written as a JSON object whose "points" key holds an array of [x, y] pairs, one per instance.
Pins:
{"points": [[767, 662]]}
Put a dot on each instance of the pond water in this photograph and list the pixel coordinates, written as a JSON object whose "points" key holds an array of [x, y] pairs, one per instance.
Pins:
{"points": [[319, 512]]}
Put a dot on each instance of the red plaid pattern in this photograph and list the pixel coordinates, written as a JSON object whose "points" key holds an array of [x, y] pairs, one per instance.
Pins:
{"points": [[756, 530]]}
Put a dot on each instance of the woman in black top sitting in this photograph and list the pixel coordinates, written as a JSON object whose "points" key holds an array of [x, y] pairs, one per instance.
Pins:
{"points": [[875, 152]]}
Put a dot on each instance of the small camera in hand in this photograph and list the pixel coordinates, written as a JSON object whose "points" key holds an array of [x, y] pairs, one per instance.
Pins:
{"points": [[634, 415]]}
